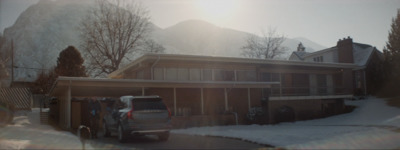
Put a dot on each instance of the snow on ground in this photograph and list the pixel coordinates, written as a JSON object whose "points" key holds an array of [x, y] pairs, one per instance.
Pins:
{"points": [[28, 133], [372, 125]]}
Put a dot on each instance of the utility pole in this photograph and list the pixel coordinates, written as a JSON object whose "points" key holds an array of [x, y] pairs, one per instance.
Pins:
{"points": [[12, 62]]}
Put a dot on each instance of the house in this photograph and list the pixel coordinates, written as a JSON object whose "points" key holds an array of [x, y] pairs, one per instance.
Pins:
{"points": [[207, 90], [308, 88], [366, 57]]}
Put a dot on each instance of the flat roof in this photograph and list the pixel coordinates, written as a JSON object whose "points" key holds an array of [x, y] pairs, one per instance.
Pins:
{"points": [[218, 59], [84, 86]]}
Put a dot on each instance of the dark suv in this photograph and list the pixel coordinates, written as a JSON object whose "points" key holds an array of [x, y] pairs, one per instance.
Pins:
{"points": [[137, 115]]}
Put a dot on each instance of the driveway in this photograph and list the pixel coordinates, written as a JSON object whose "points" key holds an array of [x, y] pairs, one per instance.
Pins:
{"points": [[27, 133], [175, 141]]}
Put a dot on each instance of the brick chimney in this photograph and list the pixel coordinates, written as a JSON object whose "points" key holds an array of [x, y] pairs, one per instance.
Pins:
{"points": [[345, 50]]}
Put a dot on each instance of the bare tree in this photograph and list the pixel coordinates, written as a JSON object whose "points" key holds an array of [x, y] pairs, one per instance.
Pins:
{"points": [[151, 46], [111, 32], [269, 46]]}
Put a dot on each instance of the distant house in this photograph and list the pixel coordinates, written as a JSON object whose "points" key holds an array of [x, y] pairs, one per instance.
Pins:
{"points": [[366, 57]]}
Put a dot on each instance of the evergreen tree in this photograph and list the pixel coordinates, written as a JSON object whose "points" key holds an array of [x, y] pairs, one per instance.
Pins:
{"points": [[70, 63], [392, 58]]}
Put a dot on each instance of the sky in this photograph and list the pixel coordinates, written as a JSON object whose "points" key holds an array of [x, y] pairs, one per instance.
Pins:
{"points": [[321, 21]]}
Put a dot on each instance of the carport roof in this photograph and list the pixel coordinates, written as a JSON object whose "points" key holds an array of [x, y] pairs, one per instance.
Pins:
{"points": [[83, 86]]}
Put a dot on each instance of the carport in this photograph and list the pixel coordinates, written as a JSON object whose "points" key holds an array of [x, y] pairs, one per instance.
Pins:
{"points": [[65, 88]]}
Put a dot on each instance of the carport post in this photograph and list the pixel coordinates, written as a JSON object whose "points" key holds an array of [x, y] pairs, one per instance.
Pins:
{"points": [[226, 99], [175, 101], [202, 101], [69, 106], [248, 97]]}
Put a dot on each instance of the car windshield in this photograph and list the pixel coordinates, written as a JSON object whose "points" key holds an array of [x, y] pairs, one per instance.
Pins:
{"points": [[148, 104]]}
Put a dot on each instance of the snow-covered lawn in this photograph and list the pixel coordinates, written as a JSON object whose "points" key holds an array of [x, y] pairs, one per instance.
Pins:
{"points": [[28, 133], [372, 125]]}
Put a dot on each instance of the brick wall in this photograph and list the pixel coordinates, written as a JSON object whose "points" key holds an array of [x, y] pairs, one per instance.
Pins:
{"points": [[188, 101]]}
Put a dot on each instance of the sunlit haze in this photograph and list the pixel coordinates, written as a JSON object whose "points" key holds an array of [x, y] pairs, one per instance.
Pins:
{"points": [[217, 10], [321, 21]]}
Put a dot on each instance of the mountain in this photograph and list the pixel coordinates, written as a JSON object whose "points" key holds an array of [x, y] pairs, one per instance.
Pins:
{"points": [[203, 38], [41, 32], [46, 28]]}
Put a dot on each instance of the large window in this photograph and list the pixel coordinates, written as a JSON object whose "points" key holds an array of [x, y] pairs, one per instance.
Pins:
{"points": [[246, 76], [183, 74], [270, 77], [158, 73], [300, 80], [338, 80], [322, 84], [195, 74], [140, 74], [207, 75], [171, 74], [224, 75], [319, 59]]}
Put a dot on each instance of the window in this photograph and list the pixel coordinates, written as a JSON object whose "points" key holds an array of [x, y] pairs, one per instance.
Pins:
{"points": [[322, 84], [158, 73], [270, 77], [195, 74], [300, 80], [338, 80], [140, 74], [246, 75], [224, 75], [321, 80], [183, 74], [207, 75], [319, 59], [171, 74]]}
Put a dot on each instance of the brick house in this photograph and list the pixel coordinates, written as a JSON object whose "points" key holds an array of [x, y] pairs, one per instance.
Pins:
{"points": [[207, 90], [366, 57], [307, 88]]}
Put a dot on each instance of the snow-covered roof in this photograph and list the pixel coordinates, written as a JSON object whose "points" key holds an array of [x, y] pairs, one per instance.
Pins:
{"points": [[361, 53], [300, 54]]}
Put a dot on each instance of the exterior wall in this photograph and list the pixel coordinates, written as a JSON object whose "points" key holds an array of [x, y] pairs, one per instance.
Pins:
{"points": [[238, 102], [167, 94], [299, 107], [214, 101], [64, 105], [329, 56], [305, 109], [348, 81], [255, 97], [188, 101]]}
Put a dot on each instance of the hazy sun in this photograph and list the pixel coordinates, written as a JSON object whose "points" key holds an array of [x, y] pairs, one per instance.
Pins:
{"points": [[217, 9]]}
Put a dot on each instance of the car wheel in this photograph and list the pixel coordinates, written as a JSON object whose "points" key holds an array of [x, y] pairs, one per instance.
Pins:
{"points": [[163, 136], [121, 134], [105, 130]]}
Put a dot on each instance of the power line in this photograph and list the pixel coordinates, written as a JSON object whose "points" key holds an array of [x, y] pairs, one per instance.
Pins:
{"points": [[31, 68]]}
